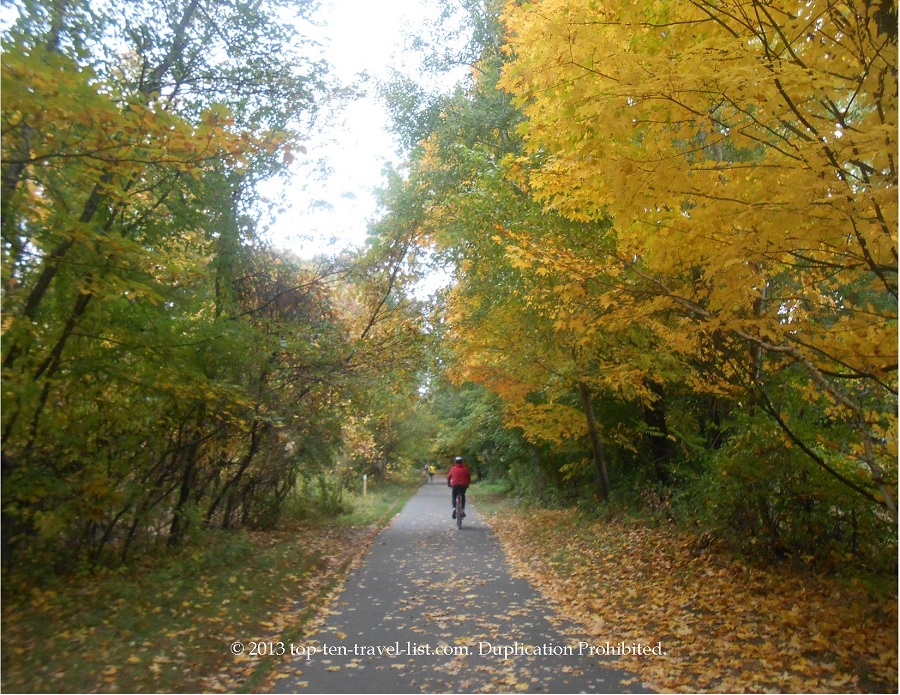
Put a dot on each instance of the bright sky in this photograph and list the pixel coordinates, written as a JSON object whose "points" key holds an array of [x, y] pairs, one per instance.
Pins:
{"points": [[331, 213], [324, 214]]}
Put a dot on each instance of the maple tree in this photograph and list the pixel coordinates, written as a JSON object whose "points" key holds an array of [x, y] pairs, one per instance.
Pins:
{"points": [[659, 268], [521, 333], [672, 229], [745, 154]]}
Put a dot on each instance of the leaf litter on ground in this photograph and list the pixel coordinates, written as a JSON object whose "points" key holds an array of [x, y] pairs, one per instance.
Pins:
{"points": [[724, 625], [168, 627]]}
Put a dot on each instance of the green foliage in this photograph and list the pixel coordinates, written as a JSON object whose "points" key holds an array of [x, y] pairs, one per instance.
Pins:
{"points": [[329, 495], [470, 424], [773, 501], [163, 372]]}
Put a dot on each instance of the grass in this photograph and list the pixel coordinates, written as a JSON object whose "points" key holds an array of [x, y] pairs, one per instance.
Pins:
{"points": [[491, 494], [167, 626], [383, 501]]}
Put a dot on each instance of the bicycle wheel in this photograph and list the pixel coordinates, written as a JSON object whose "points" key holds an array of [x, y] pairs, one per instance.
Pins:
{"points": [[459, 511]]}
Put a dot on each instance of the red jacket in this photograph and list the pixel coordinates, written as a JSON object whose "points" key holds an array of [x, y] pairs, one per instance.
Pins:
{"points": [[459, 475]]}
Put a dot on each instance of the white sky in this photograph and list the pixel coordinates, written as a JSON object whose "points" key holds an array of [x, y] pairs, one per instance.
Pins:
{"points": [[359, 35], [324, 214]]}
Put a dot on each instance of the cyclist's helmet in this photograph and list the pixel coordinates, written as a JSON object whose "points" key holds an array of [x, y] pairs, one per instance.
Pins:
{"points": [[459, 459]]}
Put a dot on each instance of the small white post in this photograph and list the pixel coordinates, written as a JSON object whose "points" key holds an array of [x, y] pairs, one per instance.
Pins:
{"points": [[365, 476]]}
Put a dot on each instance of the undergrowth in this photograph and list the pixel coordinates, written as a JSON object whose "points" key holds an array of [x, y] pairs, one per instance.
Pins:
{"points": [[167, 624]]}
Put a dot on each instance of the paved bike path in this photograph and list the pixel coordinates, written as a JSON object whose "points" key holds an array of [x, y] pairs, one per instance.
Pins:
{"points": [[433, 608]]}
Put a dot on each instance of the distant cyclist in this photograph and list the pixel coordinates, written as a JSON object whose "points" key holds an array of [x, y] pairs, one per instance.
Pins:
{"points": [[431, 473], [459, 478]]}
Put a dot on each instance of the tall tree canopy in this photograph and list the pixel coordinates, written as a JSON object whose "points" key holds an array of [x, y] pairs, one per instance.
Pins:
{"points": [[673, 231], [162, 368], [746, 154]]}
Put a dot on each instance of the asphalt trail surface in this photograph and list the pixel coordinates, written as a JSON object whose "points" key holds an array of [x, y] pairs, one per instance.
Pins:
{"points": [[433, 608]]}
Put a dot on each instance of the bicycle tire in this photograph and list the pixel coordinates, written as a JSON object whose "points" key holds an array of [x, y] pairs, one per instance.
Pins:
{"points": [[459, 512]]}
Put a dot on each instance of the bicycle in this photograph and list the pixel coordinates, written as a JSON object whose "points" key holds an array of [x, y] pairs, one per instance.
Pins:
{"points": [[458, 479]]}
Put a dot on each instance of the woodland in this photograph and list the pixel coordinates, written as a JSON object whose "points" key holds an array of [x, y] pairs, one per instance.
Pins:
{"points": [[671, 229]]}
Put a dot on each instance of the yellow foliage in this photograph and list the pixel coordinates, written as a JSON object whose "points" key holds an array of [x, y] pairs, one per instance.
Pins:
{"points": [[746, 153]]}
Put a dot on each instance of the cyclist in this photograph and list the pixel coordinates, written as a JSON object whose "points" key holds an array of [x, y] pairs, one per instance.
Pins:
{"points": [[431, 473], [459, 478]]}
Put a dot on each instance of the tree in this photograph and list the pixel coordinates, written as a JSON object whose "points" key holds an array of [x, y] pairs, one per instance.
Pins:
{"points": [[140, 340], [746, 155], [531, 337]]}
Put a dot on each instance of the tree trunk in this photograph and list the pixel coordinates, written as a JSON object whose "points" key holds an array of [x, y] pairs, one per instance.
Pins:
{"points": [[235, 479], [594, 433], [661, 449]]}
